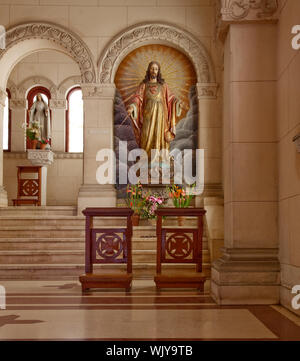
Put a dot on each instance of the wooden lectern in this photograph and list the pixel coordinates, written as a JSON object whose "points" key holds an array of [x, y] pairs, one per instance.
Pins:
{"points": [[179, 245], [107, 246]]}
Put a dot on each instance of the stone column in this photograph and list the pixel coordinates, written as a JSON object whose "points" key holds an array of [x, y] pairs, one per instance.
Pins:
{"points": [[98, 134], [210, 139], [58, 114], [18, 120], [3, 193], [210, 134], [248, 271]]}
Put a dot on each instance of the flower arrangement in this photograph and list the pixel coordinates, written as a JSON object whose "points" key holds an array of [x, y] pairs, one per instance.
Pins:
{"points": [[180, 196], [33, 131], [151, 204], [45, 141], [135, 198]]}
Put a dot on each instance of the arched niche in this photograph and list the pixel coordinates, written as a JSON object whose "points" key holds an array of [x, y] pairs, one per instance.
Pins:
{"points": [[155, 33], [207, 88]]}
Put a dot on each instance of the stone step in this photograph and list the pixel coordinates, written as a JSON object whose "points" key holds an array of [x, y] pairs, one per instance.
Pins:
{"points": [[59, 231], [40, 257], [69, 256], [51, 232], [30, 225], [39, 211], [144, 231], [72, 271], [36, 221], [40, 244]]}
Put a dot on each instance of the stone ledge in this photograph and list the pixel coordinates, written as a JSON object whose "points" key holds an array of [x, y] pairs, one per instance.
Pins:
{"points": [[56, 155]]}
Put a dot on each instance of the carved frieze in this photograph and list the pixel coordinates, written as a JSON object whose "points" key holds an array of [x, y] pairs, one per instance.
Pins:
{"points": [[17, 104], [40, 157], [57, 104], [208, 90], [97, 91]]}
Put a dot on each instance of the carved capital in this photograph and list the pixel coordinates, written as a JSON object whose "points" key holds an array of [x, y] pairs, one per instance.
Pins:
{"points": [[248, 9], [238, 11], [207, 90], [96, 91], [18, 104], [3, 96], [58, 104]]}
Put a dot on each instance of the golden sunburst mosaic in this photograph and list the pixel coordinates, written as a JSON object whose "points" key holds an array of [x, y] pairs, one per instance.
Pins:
{"points": [[176, 69]]}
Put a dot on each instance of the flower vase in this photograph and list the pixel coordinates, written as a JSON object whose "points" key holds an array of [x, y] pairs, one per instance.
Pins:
{"points": [[135, 219], [43, 146], [34, 143], [180, 220]]}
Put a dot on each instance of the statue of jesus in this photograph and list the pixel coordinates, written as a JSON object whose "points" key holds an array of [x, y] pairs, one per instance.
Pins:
{"points": [[153, 109]]}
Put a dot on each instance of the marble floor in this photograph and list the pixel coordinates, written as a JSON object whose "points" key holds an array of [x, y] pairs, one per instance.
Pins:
{"points": [[57, 310]]}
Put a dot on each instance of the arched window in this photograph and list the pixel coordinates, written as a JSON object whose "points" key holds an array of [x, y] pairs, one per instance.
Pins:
{"points": [[31, 98], [7, 124], [74, 121]]}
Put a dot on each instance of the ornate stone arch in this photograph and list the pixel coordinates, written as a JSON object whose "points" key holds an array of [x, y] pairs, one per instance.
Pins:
{"points": [[66, 39], [159, 33]]}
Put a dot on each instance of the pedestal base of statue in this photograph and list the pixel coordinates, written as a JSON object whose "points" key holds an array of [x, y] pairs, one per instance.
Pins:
{"points": [[43, 158]]}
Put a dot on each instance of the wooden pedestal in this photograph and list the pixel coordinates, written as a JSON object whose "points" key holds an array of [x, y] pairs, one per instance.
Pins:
{"points": [[179, 245], [107, 246], [29, 188]]}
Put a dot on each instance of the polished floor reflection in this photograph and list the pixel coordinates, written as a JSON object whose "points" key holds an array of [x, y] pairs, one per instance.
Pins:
{"points": [[57, 310]]}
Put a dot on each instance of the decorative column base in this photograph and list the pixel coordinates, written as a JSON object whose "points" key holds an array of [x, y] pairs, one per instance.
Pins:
{"points": [[96, 195], [246, 276], [3, 197]]}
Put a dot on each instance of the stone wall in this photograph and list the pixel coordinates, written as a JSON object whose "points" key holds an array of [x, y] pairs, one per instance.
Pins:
{"points": [[288, 125], [63, 182]]}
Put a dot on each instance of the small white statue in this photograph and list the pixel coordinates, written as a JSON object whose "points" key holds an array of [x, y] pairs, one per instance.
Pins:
{"points": [[39, 114]]}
